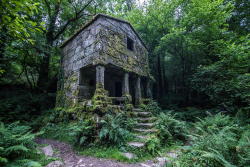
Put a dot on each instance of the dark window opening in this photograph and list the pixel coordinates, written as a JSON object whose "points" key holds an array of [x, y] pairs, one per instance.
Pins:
{"points": [[118, 89], [130, 44], [91, 82]]}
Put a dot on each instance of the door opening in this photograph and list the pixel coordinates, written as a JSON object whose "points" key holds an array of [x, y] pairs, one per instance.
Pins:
{"points": [[118, 89]]}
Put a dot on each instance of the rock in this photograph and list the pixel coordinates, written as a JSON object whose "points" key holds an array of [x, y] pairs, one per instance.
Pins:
{"points": [[80, 161], [172, 154], [136, 144], [144, 165], [56, 164], [48, 151], [129, 155], [161, 161]]}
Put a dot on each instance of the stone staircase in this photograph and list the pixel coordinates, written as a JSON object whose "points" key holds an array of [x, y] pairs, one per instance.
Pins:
{"points": [[143, 128]]}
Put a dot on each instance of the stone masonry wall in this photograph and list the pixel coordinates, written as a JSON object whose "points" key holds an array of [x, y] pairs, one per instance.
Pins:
{"points": [[102, 42]]}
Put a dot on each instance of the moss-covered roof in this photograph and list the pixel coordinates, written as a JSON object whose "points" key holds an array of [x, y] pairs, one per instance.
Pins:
{"points": [[92, 21]]}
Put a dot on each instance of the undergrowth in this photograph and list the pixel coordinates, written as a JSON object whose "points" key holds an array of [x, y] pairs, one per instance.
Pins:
{"points": [[17, 147], [216, 141]]}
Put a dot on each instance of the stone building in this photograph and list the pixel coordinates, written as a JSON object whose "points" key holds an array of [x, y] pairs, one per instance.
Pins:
{"points": [[106, 52]]}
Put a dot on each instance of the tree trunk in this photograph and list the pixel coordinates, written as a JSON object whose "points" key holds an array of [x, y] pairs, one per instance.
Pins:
{"points": [[43, 78], [160, 79], [44, 73]]}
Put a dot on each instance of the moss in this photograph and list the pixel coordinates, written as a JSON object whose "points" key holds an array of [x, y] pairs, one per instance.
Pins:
{"points": [[145, 101], [128, 98], [76, 92], [60, 97], [100, 100], [117, 49]]}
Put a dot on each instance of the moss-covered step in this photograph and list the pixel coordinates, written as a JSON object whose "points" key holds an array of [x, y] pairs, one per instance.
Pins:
{"points": [[146, 120], [137, 110], [145, 125], [136, 144], [145, 131], [143, 114]]}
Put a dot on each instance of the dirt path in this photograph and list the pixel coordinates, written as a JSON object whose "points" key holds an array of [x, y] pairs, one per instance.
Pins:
{"points": [[71, 159]]}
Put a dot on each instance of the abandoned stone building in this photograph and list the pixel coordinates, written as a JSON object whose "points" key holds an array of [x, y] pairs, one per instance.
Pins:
{"points": [[107, 52]]}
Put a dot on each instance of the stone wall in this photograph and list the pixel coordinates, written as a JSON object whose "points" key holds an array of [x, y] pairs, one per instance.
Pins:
{"points": [[113, 36], [102, 42]]}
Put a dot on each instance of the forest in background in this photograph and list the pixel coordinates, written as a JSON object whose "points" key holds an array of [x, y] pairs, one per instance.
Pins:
{"points": [[199, 56], [198, 50]]}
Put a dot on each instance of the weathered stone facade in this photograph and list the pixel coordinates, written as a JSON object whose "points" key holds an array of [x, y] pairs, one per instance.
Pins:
{"points": [[106, 52]]}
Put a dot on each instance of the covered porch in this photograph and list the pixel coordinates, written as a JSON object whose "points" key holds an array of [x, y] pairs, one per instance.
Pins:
{"points": [[118, 82]]}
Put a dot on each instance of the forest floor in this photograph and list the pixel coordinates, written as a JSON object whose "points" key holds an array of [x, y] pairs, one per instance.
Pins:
{"points": [[70, 158]]}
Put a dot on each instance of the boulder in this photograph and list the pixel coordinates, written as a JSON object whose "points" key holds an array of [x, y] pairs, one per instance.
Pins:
{"points": [[48, 151], [56, 164]]}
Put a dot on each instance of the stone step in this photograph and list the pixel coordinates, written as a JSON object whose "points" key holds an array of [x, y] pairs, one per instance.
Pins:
{"points": [[145, 125], [145, 131], [137, 110], [146, 120], [142, 137], [143, 114], [136, 144]]}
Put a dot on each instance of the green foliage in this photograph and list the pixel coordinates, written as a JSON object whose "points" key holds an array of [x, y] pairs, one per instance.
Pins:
{"points": [[22, 104], [151, 106], [17, 146], [77, 133], [226, 82], [216, 143], [170, 129], [104, 152], [153, 144], [114, 129], [190, 114], [83, 132], [213, 124], [243, 147]]}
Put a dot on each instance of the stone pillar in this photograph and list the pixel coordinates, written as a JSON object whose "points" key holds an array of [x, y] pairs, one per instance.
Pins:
{"points": [[125, 84], [100, 76], [149, 89], [138, 90]]}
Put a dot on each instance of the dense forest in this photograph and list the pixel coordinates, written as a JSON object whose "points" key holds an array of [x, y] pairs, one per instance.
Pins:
{"points": [[199, 57]]}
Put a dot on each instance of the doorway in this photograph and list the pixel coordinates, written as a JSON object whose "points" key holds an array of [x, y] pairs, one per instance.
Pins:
{"points": [[118, 89]]}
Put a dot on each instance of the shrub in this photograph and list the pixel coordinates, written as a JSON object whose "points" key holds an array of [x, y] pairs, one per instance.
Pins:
{"points": [[216, 143], [23, 104], [227, 81], [243, 147], [213, 124], [78, 133], [170, 128], [82, 132], [152, 107], [152, 144], [114, 129], [17, 145]]}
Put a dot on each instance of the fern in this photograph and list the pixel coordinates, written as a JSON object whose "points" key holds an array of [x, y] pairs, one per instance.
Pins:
{"points": [[152, 144], [114, 129], [16, 143], [170, 128], [216, 143]]}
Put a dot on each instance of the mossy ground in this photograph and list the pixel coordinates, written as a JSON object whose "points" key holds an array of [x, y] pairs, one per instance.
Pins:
{"points": [[115, 152]]}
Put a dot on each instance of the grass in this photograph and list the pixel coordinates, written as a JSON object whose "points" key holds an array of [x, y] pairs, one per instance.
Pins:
{"points": [[115, 153], [105, 152]]}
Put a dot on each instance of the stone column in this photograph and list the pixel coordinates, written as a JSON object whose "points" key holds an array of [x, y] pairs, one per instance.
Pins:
{"points": [[125, 84], [100, 76], [149, 89], [138, 90]]}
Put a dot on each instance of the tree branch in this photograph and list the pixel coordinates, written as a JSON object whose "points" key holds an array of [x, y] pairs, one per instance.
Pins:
{"points": [[68, 22]]}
